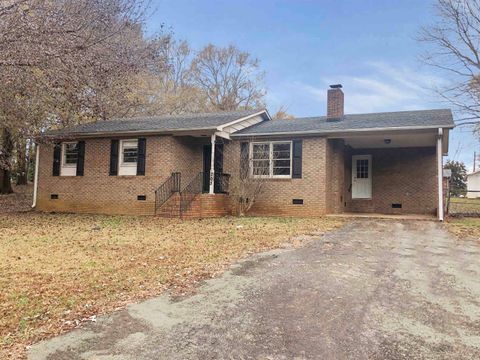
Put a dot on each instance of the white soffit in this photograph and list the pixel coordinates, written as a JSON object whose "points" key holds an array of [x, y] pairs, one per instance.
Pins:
{"points": [[240, 125], [420, 139]]}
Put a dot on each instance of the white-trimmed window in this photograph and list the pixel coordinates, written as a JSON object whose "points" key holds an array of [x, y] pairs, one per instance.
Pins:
{"points": [[128, 157], [69, 158], [271, 159]]}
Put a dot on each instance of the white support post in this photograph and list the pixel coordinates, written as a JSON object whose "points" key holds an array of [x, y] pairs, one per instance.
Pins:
{"points": [[35, 178], [212, 167], [440, 173]]}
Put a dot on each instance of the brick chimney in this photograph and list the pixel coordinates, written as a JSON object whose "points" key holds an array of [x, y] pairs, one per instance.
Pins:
{"points": [[335, 102]]}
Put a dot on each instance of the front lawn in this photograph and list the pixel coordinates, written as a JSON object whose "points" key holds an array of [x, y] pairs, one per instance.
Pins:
{"points": [[61, 269]]}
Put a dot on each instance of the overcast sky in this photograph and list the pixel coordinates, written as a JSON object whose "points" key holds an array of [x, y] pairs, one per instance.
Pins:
{"points": [[368, 46]]}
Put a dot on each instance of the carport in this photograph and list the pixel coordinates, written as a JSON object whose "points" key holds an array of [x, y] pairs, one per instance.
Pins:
{"points": [[394, 172]]}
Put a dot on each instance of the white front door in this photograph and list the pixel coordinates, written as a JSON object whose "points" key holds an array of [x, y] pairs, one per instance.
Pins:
{"points": [[362, 177]]}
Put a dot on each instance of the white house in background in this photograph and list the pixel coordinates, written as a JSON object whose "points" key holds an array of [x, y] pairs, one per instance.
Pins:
{"points": [[473, 185]]}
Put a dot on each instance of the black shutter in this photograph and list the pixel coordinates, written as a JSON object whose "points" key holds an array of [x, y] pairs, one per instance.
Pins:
{"points": [[114, 158], [57, 154], [81, 158], [142, 147], [297, 159], [243, 160]]}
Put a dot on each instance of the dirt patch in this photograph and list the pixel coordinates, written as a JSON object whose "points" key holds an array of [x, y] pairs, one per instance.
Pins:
{"points": [[19, 201], [464, 227]]}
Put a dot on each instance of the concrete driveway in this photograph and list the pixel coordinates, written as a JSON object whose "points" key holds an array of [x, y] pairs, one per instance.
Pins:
{"points": [[376, 289]]}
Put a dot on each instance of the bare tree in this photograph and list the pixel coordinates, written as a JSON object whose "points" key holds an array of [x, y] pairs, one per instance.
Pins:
{"points": [[248, 184], [230, 78], [167, 88], [282, 114], [5, 164], [454, 48], [64, 62], [21, 161]]}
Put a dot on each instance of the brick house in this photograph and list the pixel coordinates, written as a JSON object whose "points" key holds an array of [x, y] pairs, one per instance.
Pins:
{"points": [[387, 163]]}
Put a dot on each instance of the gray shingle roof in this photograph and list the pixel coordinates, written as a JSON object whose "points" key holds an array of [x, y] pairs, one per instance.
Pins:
{"points": [[354, 122], [157, 123]]}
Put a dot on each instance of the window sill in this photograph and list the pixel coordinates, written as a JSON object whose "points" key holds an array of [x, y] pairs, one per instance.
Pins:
{"points": [[273, 179]]}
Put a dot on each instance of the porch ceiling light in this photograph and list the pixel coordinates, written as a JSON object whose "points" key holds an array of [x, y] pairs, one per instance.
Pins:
{"points": [[387, 141]]}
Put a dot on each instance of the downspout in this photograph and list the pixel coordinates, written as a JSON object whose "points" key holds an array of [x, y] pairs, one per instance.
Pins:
{"points": [[440, 173], [35, 178]]}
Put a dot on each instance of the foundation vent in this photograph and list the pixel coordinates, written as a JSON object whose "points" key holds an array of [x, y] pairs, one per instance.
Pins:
{"points": [[396, 206], [297, 201]]}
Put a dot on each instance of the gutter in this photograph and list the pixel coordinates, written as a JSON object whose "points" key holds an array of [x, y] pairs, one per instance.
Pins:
{"points": [[35, 179], [346, 131], [124, 133], [152, 132]]}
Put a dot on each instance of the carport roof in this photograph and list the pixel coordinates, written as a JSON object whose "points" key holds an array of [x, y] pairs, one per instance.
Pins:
{"points": [[400, 120]]}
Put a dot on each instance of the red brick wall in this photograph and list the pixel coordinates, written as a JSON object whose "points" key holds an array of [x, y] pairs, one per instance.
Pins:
{"points": [[335, 175], [206, 206], [335, 103], [406, 176], [277, 195], [202, 206], [97, 192]]}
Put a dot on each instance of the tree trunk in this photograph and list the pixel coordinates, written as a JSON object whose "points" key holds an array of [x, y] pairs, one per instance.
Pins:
{"points": [[21, 162], [32, 149], [5, 174]]}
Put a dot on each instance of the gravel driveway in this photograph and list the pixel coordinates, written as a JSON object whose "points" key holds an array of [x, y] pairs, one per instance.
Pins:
{"points": [[376, 289]]}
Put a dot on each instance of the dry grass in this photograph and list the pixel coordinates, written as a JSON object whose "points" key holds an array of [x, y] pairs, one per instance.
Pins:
{"points": [[464, 206], [58, 270], [464, 227]]}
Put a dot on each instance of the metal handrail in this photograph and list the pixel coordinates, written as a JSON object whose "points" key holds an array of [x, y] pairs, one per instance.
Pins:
{"points": [[222, 182], [167, 189], [194, 187]]}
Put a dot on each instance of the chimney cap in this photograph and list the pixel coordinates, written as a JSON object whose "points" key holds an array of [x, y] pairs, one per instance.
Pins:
{"points": [[336, 86]]}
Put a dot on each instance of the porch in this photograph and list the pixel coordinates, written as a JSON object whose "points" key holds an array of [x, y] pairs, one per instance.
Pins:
{"points": [[193, 200], [197, 194]]}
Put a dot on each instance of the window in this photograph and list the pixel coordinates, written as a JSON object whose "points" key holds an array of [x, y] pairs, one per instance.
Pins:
{"points": [[128, 157], [70, 154], [362, 169], [129, 152], [261, 159], [281, 159], [271, 159]]}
